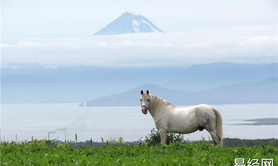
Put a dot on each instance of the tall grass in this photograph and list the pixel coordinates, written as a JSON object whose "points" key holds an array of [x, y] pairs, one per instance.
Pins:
{"points": [[118, 152]]}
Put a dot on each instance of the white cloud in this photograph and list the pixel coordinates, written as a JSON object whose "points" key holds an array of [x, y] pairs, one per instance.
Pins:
{"points": [[239, 44], [259, 40]]}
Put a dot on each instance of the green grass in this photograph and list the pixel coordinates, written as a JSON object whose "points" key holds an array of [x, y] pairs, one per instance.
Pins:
{"points": [[203, 153]]}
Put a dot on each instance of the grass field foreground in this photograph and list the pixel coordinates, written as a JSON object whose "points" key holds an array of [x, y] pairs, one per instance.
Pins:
{"points": [[50, 153]]}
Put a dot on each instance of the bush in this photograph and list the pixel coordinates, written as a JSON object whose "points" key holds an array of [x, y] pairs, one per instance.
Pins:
{"points": [[154, 138]]}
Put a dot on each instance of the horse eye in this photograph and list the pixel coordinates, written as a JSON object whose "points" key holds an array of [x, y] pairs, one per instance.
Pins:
{"points": [[148, 100], [140, 99]]}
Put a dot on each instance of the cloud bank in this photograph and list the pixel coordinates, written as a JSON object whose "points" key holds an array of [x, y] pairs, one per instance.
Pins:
{"points": [[237, 44]]}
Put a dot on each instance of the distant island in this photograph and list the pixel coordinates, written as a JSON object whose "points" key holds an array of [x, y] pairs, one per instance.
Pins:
{"points": [[261, 121]]}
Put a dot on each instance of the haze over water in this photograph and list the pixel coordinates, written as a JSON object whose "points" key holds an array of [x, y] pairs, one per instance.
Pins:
{"points": [[37, 120]]}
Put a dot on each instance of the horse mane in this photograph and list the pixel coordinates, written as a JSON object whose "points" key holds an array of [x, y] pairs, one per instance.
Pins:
{"points": [[158, 99]]}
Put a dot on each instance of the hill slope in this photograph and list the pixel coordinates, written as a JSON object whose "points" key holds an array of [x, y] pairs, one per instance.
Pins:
{"points": [[265, 91], [36, 84]]}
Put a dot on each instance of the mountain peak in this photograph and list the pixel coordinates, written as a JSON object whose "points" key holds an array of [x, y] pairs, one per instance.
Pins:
{"points": [[129, 23], [128, 14]]}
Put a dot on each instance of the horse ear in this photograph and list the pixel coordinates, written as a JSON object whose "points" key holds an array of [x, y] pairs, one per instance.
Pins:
{"points": [[147, 92], [142, 92]]}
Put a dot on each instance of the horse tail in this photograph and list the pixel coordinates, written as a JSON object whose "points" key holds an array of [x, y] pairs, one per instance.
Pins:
{"points": [[219, 126]]}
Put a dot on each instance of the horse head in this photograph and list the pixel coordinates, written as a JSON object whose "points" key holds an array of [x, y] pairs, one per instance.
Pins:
{"points": [[145, 101]]}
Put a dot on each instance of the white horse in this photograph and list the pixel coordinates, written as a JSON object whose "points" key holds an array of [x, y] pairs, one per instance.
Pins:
{"points": [[172, 119]]}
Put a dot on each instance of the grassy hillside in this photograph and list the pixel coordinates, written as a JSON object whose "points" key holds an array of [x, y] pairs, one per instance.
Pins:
{"points": [[202, 153]]}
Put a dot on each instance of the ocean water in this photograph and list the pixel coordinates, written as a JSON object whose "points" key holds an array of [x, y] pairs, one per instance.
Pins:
{"points": [[62, 121]]}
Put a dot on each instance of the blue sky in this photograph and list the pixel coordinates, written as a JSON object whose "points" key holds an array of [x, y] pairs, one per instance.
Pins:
{"points": [[55, 33]]}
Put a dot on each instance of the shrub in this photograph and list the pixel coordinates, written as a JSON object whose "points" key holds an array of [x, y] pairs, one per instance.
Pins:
{"points": [[154, 138]]}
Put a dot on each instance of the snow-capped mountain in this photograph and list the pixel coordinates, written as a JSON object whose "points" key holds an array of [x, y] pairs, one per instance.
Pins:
{"points": [[129, 23]]}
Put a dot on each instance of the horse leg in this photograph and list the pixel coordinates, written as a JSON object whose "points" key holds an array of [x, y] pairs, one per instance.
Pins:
{"points": [[215, 137], [210, 124], [163, 136], [213, 132]]}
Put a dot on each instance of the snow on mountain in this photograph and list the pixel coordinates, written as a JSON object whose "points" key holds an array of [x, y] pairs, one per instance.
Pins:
{"points": [[129, 23]]}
